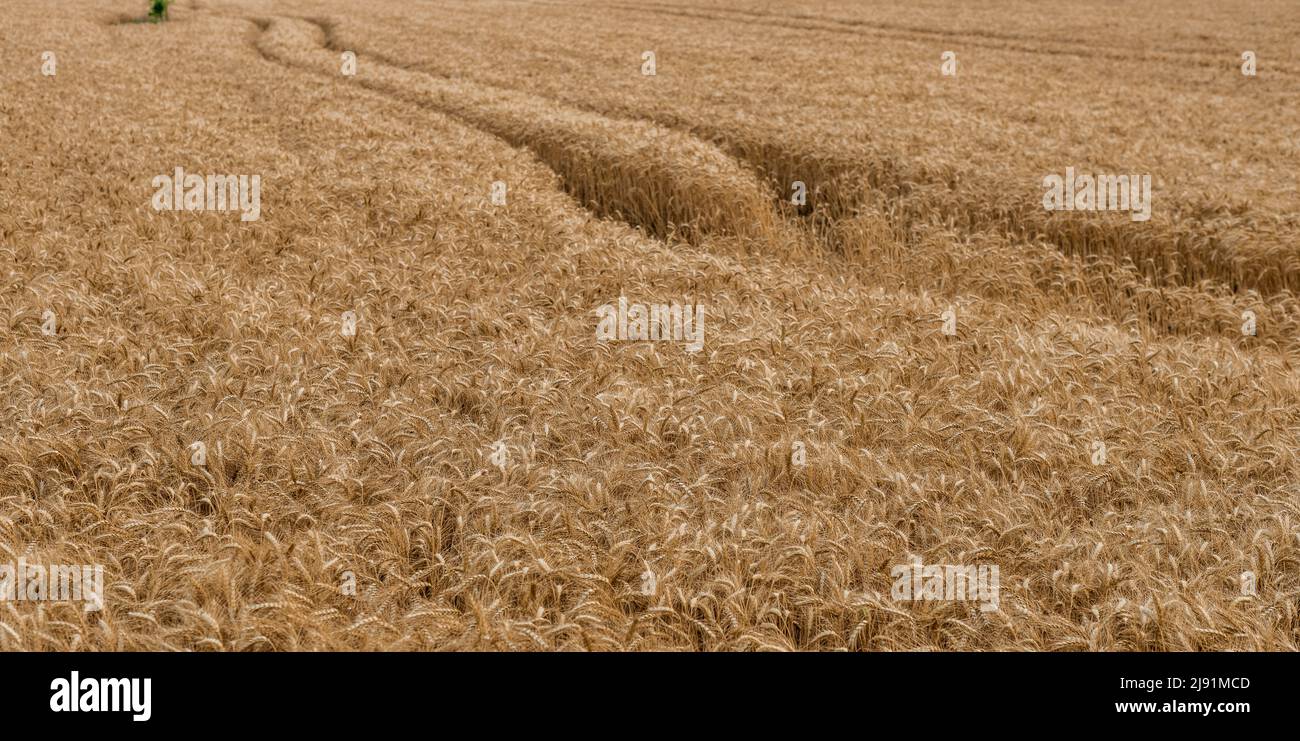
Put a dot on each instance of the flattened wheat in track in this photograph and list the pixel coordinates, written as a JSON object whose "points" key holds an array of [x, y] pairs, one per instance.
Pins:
{"points": [[663, 181]]}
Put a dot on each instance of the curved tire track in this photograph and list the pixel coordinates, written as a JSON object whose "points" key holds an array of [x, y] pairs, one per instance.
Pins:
{"points": [[661, 176], [1171, 254], [664, 181]]}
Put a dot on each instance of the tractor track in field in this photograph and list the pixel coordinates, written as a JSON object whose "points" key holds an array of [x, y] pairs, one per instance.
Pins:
{"points": [[663, 181], [666, 182], [1149, 289], [674, 181]]}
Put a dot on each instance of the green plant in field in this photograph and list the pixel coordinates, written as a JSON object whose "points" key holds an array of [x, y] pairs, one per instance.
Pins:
{"points": [[158, 10]]}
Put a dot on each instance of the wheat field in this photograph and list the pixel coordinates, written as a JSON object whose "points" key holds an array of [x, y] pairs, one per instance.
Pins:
{"points": [[381, 414]]}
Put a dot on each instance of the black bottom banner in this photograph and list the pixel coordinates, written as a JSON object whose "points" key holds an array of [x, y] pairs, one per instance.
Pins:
{"points": [[334, 692]]}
